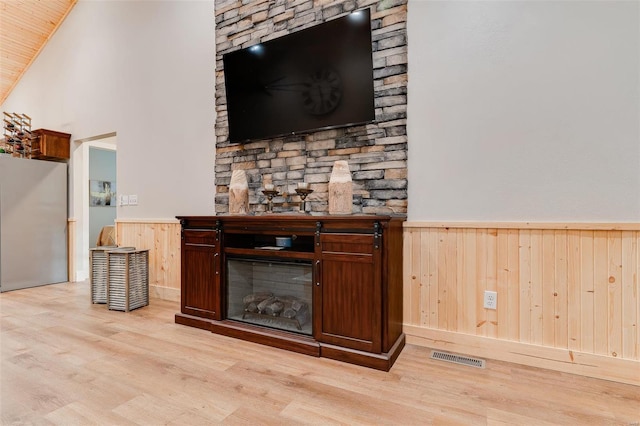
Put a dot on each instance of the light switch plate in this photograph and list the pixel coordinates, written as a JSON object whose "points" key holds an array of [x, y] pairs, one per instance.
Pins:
{"points": [[133, 200], [124, 200]]}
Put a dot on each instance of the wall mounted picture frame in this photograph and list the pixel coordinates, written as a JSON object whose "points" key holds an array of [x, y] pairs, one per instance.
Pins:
{"points": [[102, 193]]}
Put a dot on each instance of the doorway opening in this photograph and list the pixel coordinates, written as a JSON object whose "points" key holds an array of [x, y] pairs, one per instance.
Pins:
{"points": [[82, 174]]}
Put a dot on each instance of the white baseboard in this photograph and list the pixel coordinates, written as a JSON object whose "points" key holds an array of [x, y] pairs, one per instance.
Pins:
{"points": [[564, 360], [164, 293]]}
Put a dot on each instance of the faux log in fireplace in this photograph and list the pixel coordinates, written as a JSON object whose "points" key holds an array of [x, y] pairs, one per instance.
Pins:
{"points": [[335, 291]]}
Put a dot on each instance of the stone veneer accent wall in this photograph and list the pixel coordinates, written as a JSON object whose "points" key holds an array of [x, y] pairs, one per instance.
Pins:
{"points": [[376, 153]]}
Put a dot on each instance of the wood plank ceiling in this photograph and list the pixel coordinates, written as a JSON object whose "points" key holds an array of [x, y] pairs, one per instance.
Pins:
{"points": [[25, 28]]}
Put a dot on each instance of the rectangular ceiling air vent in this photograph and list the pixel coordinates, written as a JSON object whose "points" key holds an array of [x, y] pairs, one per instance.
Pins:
{"points": [[458, 359]]}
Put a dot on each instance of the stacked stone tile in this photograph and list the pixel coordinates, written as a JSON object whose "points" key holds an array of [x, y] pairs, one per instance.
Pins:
{"points": [[376, 152]]}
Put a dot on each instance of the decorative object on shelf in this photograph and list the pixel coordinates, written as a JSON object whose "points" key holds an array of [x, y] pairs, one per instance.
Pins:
{"points": [[270, 193], [239, 193], [340, 189], [18, 137], [267, 182], [284, 241], [303, 191]]}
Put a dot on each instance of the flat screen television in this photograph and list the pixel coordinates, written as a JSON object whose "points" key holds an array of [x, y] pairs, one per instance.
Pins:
{"points": [[317, 78]]}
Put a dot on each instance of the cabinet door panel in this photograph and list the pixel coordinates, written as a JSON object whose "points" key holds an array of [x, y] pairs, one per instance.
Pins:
{"points": [[350, 293], [346, 244], [200, 237], [200, 283]]}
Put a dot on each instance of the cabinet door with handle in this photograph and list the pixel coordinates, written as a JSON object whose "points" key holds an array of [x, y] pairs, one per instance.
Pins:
{"points": [[347, 296], [200, 274]]}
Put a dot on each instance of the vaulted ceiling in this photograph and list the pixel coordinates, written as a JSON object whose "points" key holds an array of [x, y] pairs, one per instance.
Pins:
{"points": [[25, 28]]}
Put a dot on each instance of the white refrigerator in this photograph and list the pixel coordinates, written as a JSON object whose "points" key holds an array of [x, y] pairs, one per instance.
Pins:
{"points": [[33, 223]]}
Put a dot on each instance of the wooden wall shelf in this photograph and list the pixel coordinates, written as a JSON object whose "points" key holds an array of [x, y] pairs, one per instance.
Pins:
{"points": [[51, 145]]}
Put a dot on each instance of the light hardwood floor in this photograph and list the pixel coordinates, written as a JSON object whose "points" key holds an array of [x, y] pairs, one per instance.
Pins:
{"points": [[66, 361]]}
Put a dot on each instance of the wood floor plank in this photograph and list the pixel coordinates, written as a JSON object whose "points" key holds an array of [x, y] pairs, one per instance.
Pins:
{"points": [[66, 361]]}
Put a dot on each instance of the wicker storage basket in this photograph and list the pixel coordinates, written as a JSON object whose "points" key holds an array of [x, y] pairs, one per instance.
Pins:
{"points": [[128, 279], [98, 273]]}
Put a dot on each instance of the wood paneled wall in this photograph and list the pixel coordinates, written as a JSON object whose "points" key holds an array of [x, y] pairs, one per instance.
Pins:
{"points": [[568, 294], [71, 249], [572, 287], [162, 238]]}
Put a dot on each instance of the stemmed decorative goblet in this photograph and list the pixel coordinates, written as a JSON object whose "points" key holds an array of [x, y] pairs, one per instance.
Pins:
{"points": [[303, 193], [270, 193]]}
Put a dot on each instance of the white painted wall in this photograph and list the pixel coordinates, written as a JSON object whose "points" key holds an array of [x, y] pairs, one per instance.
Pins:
{"points": [[524, 110], [517, 110], [145, 70]]}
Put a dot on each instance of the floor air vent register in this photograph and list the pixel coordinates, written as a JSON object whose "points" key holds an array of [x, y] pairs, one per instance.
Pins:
{"points": [[458, 359]]}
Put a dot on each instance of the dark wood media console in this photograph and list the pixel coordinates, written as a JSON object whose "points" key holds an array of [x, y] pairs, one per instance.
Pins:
{"points": [[348, 268]]}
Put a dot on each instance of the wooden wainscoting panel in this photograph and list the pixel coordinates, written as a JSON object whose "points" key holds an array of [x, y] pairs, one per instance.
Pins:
{"points": [[630, 296], [432, 288], [587, 294], [414, 288], [537, 287], [407, 281], [614, 294], [574, 287], [468, 297], [524, 284], [71, 249], [423, 295], [162, 238], [574, 277]]}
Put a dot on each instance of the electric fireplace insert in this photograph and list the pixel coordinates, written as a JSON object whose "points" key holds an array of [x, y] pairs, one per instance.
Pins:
{"points": [[270, 293]]}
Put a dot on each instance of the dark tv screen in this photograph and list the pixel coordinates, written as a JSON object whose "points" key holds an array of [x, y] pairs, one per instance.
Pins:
{"points": [[320, 77]]}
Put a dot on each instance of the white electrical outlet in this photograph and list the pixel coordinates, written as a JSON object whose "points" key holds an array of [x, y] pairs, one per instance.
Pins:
{"points": [[133, 200], [490, 299]]}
